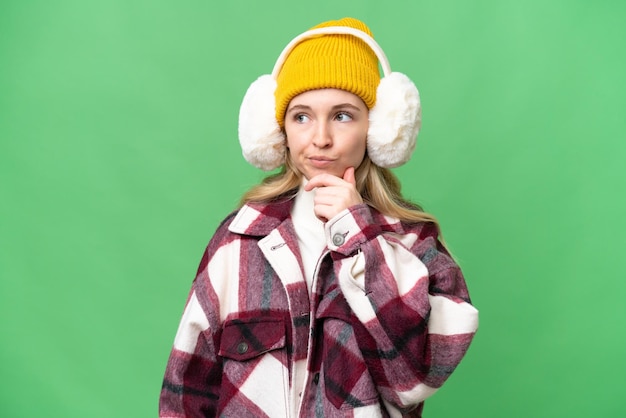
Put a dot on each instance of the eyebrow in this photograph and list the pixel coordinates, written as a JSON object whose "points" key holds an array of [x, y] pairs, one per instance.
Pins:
{"points": [[301, 107]]}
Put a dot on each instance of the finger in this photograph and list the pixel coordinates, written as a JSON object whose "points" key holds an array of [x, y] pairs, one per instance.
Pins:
{"points": [[323, 180], [323, 212], [326, 197], [348, 176]]}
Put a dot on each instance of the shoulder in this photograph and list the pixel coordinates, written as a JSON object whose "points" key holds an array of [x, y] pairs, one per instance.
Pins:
{"points": [[221, 237], [252, 220], [430, 248], [424, 230]]}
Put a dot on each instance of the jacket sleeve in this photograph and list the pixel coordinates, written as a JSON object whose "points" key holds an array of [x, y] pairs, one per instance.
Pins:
{"points": [[193, 372], [413, 317]]}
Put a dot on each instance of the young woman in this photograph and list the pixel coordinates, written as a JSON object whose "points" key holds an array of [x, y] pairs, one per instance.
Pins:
{"points": [[326, 294]]}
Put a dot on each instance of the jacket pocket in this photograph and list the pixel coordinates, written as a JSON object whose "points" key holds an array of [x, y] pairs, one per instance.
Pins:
{"points": [[254, 368], [245, 339]]}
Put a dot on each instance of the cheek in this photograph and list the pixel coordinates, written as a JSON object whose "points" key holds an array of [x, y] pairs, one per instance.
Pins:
{"points": [[359, 149], [291, 138], [290, 144], [360, 144], [295, 140]]}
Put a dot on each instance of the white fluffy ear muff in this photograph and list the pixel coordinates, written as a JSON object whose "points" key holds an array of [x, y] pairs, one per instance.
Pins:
{"points": [[262, 141], [395, 119]]}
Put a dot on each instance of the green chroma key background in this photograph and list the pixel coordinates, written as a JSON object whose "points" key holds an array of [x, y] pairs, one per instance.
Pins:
{"points": [[119, 157]]}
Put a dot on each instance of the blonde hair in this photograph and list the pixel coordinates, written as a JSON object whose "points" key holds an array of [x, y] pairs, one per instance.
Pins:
{"points": [[378, 186]]}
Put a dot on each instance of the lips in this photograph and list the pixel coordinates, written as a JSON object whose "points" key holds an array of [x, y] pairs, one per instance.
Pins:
{"points": [[320, 161]]}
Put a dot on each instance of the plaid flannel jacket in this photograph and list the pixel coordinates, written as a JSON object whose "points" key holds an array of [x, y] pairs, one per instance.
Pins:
{"points": [[388, 320]]}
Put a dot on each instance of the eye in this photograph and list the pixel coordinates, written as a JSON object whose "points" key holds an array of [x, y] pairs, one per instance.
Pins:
{"points": [[301, 118], [343, 117]]}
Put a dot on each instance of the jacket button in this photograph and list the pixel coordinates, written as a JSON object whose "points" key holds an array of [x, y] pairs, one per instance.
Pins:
{"points": [[242, 347], [338, 239]]}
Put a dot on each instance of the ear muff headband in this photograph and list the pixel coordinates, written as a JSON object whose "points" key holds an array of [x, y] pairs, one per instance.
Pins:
{"points": [[395, 119]]}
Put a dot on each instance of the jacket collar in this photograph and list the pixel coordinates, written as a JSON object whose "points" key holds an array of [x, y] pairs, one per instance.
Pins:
{"points": [[259, 219]]}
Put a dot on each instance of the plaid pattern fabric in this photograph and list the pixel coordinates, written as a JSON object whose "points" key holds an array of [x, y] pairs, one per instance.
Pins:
{"points": [[387, 322]]}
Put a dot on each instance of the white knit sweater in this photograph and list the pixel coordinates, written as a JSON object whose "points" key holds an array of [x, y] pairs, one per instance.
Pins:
{"points": [[309, 230]]}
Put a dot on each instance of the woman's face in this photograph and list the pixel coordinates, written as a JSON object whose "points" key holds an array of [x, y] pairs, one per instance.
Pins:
{"points": [[326, 131]]}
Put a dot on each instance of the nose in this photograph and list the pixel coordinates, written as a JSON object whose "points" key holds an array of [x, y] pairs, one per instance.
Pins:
{"points": [[322, 137]]}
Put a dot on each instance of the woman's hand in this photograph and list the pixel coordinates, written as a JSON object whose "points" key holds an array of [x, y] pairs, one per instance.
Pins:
{"points": [[333, 194]]}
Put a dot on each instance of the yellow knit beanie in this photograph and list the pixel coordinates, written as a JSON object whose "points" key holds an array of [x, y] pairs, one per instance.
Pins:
{"points": [[329, 61]]}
